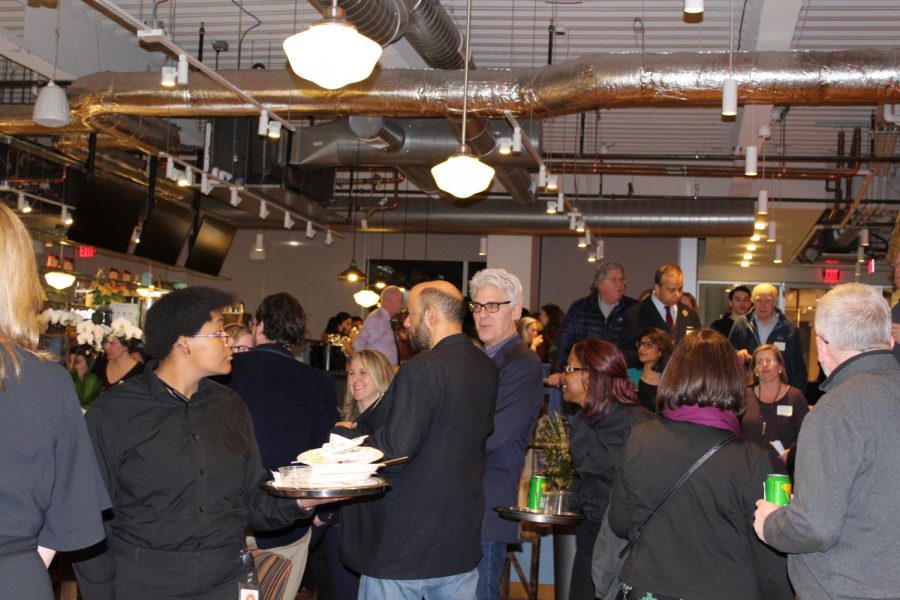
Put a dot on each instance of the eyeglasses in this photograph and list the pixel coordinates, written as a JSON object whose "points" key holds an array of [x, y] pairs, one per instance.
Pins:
{"points": [[569, 369], [222, 335], [241, 348], [491, 307], [645, 344], [767, 361]]}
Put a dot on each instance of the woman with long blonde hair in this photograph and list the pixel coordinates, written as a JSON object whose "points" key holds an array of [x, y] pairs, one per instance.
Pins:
{"points": [[51, 491], [368, 377]]}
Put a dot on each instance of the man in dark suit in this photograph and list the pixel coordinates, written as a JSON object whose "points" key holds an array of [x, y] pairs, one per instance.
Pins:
{"points": [[663, 309], [293, 407], [423, 537], [497, 298]]}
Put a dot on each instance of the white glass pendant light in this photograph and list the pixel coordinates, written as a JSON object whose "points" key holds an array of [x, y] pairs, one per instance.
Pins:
{"points": [[332, 53], [463, 175]]}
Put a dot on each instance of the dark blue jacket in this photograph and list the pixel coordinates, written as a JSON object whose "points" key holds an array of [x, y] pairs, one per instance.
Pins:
{"points": [[744, 336], [293, 407], [520, 394], [585, 321]]}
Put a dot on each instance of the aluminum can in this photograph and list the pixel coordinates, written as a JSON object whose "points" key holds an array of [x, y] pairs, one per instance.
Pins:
{"points": [[778, 489], [537, 487]]}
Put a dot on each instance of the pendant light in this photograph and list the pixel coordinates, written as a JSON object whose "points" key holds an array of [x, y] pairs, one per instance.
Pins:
{"points": [[729, 86], [332, 53], [463, 175], [51, 109], [59, 280], [352, 274]]}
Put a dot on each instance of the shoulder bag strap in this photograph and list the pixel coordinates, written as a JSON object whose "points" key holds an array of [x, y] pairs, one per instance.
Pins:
{"points": [[640, 529]]}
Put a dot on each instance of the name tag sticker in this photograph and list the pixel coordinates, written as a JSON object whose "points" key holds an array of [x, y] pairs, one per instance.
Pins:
{"points": [[785, 411], [780, 346]]}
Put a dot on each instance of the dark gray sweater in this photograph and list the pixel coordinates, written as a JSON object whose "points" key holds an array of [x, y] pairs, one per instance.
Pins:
{"points": [[842, 530]]}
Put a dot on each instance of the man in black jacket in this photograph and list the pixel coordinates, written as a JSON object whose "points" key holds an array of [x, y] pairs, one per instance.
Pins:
{"points": [[600, 315], [292, 405], [423, 538]]}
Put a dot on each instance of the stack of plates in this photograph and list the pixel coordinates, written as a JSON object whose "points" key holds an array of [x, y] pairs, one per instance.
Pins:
{"points": [[340, 462]]}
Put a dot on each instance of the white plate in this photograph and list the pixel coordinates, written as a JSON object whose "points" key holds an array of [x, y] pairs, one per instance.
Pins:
{"points": [[358, 454]]}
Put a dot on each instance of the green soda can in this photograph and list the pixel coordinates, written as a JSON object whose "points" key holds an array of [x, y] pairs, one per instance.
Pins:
{"points": [[536, 489], [778, 489]]}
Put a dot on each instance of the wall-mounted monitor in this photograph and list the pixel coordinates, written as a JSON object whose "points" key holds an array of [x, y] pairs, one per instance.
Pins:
{"points": [[106, 210], [164, 232], [210, 246]]}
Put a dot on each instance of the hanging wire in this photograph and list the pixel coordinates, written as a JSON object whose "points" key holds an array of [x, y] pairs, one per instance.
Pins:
{"points": [[240, 5], [466, 68], [730, 39]]}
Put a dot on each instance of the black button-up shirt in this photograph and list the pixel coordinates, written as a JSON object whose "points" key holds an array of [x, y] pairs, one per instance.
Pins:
{"points": [[182, 474]]}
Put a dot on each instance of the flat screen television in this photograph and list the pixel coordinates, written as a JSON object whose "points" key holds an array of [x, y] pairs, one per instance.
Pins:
{"points": [[210, 246], [164, 232], [106, 210]]}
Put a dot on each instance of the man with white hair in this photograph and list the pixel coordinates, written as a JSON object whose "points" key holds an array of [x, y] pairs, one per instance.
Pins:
{"points": [[766, 324], [377, 332], [842, 529], [496, 304]]}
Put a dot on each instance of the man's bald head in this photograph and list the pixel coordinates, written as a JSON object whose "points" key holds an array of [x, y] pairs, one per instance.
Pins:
{"points": [[442, 296]]}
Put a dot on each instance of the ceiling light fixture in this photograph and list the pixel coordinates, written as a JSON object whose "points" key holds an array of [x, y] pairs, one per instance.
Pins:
{"points": [[504, 146], [552, 183], [263, 210], [771, 236], [182, 71], [366, 298], [860, 254], [258, 251], [329, 238], [579, 226], [601, 249], [542, 176], [171, 172], [729, 86], [310, 230], [592, 257], [751, 247], [778, 259], [59, 280], [693, 7], [483, 246], [51, 109], [462, 174], [755, 237], [235, 197], [748, 256], [274, 130], [561, 202], [551, 207], [745, 263], [136, 234], [262, 129], [332, 53], [352, 274], [750, 160], [759, 225], [517, 140], [168, 76], [22, 203], [66, 217], [288, 221], [762, 203], [185, 178], [864, 237]]}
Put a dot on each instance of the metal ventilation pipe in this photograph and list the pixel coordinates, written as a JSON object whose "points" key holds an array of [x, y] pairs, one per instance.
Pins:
{"points": [[619, 218]]}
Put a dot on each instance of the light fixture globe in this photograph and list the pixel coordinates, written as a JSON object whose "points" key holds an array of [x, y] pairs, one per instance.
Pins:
{"points": [[351, 274], [332, 53], [366, 298], [59, 280], [462, 174], [51, 109]]}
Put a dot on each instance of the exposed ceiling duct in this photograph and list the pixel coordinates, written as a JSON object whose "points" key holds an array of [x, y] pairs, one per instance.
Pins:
{"points": [[622, 217]]}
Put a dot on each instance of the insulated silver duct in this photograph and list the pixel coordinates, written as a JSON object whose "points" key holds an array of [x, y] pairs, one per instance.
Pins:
{"points": [[435, 36], [615, 218], [383, 21]]}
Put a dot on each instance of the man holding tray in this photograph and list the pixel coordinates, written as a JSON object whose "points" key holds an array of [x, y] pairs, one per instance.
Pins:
{"points": [[423, 537], [180, 462]]}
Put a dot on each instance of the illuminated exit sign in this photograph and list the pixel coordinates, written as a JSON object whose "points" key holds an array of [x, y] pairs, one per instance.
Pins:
{"points": [[86, 251], [831, 275]]}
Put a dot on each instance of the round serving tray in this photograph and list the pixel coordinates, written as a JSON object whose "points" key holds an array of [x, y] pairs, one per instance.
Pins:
{"points": [[520, 513], [371, 486]]}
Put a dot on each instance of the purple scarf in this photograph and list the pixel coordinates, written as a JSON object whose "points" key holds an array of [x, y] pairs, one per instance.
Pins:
{"points": [[707, 415]]}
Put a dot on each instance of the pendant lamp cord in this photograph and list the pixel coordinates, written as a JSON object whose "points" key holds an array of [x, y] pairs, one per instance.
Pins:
{"points": [[466, 68], [58, 24], [731, 39]]}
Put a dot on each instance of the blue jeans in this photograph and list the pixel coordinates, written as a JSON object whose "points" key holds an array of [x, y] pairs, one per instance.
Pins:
{"points": [[454, 587], [490, 570]]}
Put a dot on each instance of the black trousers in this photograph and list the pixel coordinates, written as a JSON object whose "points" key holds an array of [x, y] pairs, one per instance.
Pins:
{"points": [[581, 586]]}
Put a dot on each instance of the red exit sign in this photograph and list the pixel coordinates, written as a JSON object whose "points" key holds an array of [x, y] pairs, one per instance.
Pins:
{"points": [[831, 275], [86, 251]]}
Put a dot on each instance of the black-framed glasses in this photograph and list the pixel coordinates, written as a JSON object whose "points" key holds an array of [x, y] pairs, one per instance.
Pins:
{"points": [[569, 369], [491, 307], [222, 335]]}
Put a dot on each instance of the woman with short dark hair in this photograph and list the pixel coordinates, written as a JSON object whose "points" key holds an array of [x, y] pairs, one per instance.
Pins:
{"points": [[596, 379], [701, 544]]}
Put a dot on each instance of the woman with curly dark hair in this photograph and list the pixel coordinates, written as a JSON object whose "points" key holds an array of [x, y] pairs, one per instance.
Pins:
{"points": [[551, 318], [596, 379]]}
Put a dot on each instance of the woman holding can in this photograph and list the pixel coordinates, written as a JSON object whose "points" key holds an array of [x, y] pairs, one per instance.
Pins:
{"points": [[596, 380], [700, 544]]}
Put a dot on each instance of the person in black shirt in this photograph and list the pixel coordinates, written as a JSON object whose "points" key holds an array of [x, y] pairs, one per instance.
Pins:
{"points": [[181, 464], [738, 304]]}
